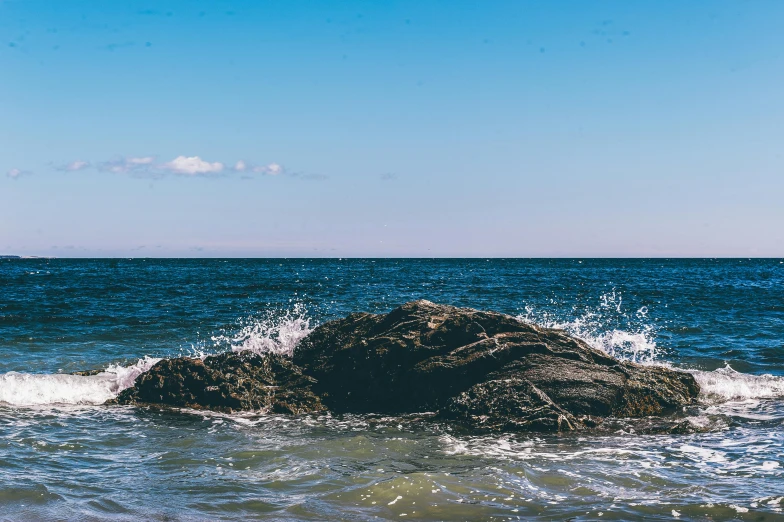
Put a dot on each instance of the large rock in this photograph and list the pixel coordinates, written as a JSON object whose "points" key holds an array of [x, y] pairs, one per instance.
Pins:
{"points": [[482, 369], [226, 382]]}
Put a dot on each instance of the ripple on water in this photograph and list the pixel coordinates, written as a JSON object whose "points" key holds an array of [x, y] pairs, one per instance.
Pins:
{"points": [[81, 461]]}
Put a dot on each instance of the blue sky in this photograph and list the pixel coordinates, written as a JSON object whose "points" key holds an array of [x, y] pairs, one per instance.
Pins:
{"points": [[464, 128]]}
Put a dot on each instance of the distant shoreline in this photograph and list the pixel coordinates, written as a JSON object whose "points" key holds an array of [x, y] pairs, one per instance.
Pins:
{"points": [[26, 257]]}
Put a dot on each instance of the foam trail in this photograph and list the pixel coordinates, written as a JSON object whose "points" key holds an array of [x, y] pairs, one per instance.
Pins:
{"points": [[726, 384], [24, 389]]}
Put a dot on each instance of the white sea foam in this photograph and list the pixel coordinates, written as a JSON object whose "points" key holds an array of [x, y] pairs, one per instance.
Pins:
{"points": [[24, 389], [726, 384]]}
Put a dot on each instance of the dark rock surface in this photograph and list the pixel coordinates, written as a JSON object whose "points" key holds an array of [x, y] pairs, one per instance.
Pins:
{"points": [[509, 405], [226, 382], [482, 369]]}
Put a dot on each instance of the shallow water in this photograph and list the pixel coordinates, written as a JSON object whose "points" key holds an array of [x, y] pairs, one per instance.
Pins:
{"points": [[63, 455]]}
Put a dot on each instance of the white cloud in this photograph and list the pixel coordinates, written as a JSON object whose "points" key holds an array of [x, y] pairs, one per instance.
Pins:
{"points": [[117, 168], [124, 165], [75, 165], [240, 166], [17, 173], [192, 165], [273, 169], [147, 166], [145, 160]]}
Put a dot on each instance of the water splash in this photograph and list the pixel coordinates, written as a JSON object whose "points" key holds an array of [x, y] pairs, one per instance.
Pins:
{"points": [[606, 327], [273, 332], [630, 336]]}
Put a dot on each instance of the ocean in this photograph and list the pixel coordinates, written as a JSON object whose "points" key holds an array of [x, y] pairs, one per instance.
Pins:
{"points": [[63, 455]]}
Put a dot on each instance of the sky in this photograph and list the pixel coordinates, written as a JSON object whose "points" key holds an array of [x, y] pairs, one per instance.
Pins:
{"points": [[254, 128]]}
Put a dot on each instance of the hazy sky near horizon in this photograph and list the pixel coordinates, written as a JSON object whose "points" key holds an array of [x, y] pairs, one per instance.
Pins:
{"points": [[401, 128]]}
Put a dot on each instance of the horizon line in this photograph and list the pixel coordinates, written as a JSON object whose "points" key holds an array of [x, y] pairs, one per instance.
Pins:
{"points": [[340, 258]]}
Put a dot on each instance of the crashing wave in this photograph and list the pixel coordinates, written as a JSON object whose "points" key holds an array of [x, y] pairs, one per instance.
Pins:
{"points": [[270, 334], [726, 384], [281, 333], [635, 342], [25, 389], [638, 344], [273, 333]]}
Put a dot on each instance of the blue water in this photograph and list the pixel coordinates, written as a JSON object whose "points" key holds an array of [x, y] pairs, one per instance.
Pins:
{"points": [[64, 455]]}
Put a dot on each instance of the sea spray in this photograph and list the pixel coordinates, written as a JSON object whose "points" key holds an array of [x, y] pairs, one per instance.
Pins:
{"points": [[279, 332], [606, 327], [637, 344], [273, 332]]}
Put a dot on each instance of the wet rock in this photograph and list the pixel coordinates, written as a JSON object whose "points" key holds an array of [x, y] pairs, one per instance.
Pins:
{"points": [[509, 405], [226, 382], [413, 359], [485, 369]]}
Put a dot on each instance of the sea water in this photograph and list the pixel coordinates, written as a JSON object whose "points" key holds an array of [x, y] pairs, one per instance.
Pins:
{"points": [[63, 455]]}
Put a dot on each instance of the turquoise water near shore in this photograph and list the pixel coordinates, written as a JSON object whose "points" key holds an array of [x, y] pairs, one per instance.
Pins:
{"points": [[64, 455]]}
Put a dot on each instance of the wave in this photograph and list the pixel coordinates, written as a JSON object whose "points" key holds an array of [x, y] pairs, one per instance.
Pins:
{"points": [[598, 326], [280, 333], [25, 389], [726, 384], [273, 332]]}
